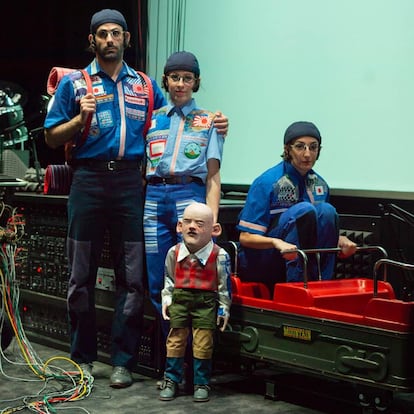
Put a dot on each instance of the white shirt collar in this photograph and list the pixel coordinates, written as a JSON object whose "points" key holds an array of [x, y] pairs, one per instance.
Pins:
{"points": [[202, 255]]}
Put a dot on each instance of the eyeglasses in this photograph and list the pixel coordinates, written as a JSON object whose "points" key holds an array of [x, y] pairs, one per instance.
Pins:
{"points": [[302, 147], [115, 34], [187, 79]]}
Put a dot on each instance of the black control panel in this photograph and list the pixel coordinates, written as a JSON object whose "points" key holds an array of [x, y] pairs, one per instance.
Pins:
{"points": [[42, 273]]}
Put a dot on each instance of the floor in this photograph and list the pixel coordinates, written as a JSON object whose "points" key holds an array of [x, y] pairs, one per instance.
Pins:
{"points": [[231, 393]]}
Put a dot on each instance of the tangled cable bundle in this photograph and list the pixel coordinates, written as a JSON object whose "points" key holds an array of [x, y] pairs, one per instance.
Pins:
{"points": [[77, 385]]}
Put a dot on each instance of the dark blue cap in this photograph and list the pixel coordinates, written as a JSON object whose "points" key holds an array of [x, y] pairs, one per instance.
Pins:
{"points": [[302, 129], [107, 16], [182, 61]]}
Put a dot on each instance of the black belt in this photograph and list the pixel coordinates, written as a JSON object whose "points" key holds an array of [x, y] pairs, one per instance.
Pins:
{"points": [[178, 179], [113, 165]]}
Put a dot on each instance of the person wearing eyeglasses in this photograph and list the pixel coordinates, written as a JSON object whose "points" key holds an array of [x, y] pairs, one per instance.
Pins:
{"points": [[107, 193], [287, 208], [184, 153]]}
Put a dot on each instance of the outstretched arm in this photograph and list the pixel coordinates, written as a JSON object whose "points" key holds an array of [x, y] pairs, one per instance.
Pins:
{"points": [[258, 241]]}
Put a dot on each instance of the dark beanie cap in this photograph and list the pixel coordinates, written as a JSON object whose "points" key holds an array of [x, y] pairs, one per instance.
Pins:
{"points": [[107, 16], [182, 61], [302, 129]]}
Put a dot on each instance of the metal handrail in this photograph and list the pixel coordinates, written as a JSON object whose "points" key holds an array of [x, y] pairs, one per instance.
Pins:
{"points": [[304, 254], [386, 262]]}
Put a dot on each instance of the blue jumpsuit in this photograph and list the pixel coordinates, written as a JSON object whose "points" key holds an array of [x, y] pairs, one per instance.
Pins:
{"points": [[283, 204], [106, 200]]}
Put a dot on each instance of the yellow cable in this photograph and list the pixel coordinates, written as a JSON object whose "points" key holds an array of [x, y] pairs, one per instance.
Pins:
{"points": [[13, 324], [85, 383], [82, 381]]}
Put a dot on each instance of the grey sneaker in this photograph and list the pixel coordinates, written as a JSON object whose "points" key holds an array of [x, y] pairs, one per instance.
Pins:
{"points": [[86, 369], [201, 393], [168, 390], [121, 377]]}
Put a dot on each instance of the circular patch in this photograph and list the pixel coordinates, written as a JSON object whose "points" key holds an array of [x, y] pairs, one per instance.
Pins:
{"points": [[94, 131], [192, 150]]}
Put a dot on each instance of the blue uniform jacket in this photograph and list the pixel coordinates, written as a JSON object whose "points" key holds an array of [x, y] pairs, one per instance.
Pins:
{"points": [[117, 126], [181, 144], [274, 191]]}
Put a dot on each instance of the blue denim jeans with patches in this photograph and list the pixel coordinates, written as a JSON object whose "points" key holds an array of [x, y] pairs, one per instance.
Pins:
{"points": [[100, 202]]}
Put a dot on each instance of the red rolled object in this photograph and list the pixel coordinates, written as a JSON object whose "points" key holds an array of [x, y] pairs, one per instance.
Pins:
{"points": [[55, 76]]}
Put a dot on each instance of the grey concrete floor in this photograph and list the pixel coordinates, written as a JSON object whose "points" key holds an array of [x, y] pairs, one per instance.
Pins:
{"points": [[231, 393]]}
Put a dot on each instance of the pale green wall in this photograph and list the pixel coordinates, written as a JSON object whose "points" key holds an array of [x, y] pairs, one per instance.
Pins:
{"points": [[347, 65]]}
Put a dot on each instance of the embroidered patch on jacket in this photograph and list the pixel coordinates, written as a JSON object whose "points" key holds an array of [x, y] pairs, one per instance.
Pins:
{"points": [[135, 100], [157, 148], [192, 150], [135, 114], [286, 192], [202, 121], [105, 119], [98, 89], [94, 130], [104, 98], [137, 88], [319, 189]]}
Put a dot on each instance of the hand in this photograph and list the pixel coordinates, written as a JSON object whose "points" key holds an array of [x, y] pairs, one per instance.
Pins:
{"points": [[165, 312], [87, 107], [287, 250], [222, 322], [221, 122], [348, 247]]}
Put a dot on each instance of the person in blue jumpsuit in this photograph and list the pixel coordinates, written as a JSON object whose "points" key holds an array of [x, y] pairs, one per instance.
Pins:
{"points": [[287, 207], [184, 152], [107, 192]]}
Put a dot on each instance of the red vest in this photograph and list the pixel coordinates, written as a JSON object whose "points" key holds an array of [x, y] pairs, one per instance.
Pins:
{"points": [[191, 274]]}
